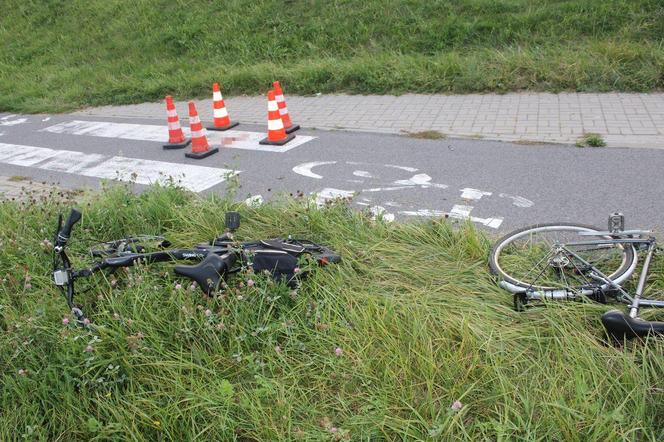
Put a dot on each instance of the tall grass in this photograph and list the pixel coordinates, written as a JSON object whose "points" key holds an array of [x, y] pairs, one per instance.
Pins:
{"points": [[378, 347], [59, 55]]}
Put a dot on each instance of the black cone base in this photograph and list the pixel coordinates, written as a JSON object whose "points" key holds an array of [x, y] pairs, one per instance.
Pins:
{"points": [[277, 143], [293, 128], [185, 143], [228, 126], [201, 155]]}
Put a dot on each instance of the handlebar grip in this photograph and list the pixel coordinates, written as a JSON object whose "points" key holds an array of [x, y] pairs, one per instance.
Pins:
{"points": [[74, 217]]}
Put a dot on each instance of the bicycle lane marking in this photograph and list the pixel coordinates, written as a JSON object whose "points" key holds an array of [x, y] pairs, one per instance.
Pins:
{"points": [[189, 176], [234, 139], [416, 181]]}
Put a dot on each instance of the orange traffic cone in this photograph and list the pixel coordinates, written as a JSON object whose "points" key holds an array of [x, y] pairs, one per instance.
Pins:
{"points": [[176, 139], [283, 110], [276, 134], [221, 119], [199, 142]]}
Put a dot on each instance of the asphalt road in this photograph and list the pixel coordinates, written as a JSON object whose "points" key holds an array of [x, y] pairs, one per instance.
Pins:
{"points": [[501, 185]]}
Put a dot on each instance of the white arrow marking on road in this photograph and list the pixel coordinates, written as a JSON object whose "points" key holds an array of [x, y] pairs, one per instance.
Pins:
{"points": [[194, 178], [305, 168], [235, 139], [473, 194]]}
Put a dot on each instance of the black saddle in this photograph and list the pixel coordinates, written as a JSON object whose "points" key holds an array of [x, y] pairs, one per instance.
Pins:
{"points": [[620, 326], [209, 272]]}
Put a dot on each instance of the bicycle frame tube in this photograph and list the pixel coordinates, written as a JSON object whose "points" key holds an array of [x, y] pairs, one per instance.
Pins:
{"points": [[634, 308]]}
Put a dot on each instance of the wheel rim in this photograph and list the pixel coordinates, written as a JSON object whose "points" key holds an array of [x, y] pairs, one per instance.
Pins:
{"points": [[530, 258]]}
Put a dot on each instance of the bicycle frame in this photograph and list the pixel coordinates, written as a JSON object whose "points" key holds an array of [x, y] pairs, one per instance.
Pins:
{"points": [[633, 302]]}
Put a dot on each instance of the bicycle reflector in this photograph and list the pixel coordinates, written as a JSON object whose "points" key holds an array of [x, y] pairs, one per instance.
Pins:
{"points": [[232, 221], [616, 222]]}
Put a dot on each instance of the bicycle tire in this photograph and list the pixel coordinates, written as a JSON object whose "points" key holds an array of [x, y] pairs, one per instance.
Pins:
{"points": [[618, 276]]}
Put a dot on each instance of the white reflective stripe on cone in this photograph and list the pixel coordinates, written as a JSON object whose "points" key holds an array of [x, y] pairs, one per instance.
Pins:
{"points": [[220, 113], [198, 133], [216, 96], [174, 125], [195, 119], [275, 124], [283, 111], [272, 106], [171, 113], [279, 97]]}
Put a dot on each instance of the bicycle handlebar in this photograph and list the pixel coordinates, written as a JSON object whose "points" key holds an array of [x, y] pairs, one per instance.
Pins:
{"points": [[64, 233]]}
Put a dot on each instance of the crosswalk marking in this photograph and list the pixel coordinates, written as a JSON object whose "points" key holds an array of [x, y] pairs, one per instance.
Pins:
{"points": [[235, 139], [189, 176]]}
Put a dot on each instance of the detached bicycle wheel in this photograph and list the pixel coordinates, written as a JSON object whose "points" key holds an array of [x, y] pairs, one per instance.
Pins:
{"points": [[529, 258]]}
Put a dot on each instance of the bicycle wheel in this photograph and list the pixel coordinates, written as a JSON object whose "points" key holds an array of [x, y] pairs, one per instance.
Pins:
{"points": [[528, 258]]}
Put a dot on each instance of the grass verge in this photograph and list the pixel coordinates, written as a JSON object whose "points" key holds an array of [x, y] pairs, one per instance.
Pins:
{"points": [[376, 348], [59, 56]]}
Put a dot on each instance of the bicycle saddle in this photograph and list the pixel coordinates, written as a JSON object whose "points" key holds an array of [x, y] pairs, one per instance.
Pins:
{"points": [[209, 272], [619, 326]]}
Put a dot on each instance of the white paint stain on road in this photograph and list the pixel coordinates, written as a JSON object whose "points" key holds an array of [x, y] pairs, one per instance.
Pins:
{"points": [[194, 178], [234, 139]]}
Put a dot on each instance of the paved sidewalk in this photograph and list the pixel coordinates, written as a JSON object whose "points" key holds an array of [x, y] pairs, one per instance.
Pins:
{"points": [[623, 120]]}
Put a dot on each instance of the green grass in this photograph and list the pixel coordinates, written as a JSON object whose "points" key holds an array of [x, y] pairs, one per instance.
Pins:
{"points": [[591, 140], [418, 318], [61, 55]]}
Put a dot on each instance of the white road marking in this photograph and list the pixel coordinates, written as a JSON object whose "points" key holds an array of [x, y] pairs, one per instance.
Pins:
{"points": [[457, 212], [383, 189], [407, 169], [7, 117], [380, 212], [192, 177], [235, 139], [463, 212], [362, 173], [473, 194], [304, 169], [518, 201], [330, 194], [420, 179], [424, 212], [26, 156], [6, 122], [254, 201]]}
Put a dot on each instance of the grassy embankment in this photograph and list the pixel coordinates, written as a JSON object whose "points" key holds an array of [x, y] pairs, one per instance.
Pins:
{"points": [[60, 55], [418, 320]]}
